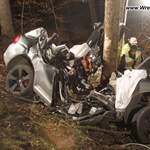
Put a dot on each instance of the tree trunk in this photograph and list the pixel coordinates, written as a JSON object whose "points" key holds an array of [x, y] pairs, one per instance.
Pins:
{"points": [[111, 37], [7, 29], [93, 12]]}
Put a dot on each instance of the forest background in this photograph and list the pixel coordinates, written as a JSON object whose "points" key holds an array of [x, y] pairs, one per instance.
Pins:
{"points": [[73, 20]]}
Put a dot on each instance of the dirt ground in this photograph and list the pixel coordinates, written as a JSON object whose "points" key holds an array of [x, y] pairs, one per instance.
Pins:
{"points": [[27, 126]]}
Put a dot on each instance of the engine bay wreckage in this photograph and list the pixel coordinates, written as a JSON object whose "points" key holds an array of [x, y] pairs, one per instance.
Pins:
{"points": [[59, 77]]}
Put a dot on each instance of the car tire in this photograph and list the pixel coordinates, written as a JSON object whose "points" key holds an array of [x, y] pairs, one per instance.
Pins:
{"points": [[141, 125], [19, 80]]}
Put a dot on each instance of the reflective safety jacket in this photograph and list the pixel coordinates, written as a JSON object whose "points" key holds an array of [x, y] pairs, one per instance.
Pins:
{"points": [[129, 62], [125, 49]]}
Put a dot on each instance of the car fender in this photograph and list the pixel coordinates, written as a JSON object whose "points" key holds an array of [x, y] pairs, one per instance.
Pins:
{"points": [[142, 87], [13, 54]]}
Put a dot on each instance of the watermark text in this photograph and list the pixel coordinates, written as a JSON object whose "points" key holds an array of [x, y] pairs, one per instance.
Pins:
{"points": [[138, 8]]}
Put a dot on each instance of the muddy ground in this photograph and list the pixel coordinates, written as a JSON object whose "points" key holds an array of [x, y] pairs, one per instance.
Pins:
{"points": [[27, 126]]}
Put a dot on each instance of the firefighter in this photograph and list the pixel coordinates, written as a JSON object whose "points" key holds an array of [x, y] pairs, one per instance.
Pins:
{"points": [[131, 59], [127, 46]]}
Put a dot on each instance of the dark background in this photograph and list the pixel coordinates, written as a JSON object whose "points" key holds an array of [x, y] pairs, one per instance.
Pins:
{"points": [[73, 19]]}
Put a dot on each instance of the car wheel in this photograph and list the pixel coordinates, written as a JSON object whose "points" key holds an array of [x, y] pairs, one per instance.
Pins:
{"points": [[20, 80], [141, 125]]}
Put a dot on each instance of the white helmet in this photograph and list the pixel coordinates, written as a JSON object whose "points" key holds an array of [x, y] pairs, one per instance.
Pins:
{"points": [[133, 41]]}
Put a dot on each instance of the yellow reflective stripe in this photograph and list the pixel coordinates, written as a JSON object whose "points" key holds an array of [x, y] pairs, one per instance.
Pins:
{"points": [[129, 61], [125, 49]]}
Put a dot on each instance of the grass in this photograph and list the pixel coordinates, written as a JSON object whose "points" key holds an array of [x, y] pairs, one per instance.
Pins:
{"points": [[22, 127], [10, 143], [3, 109]]}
